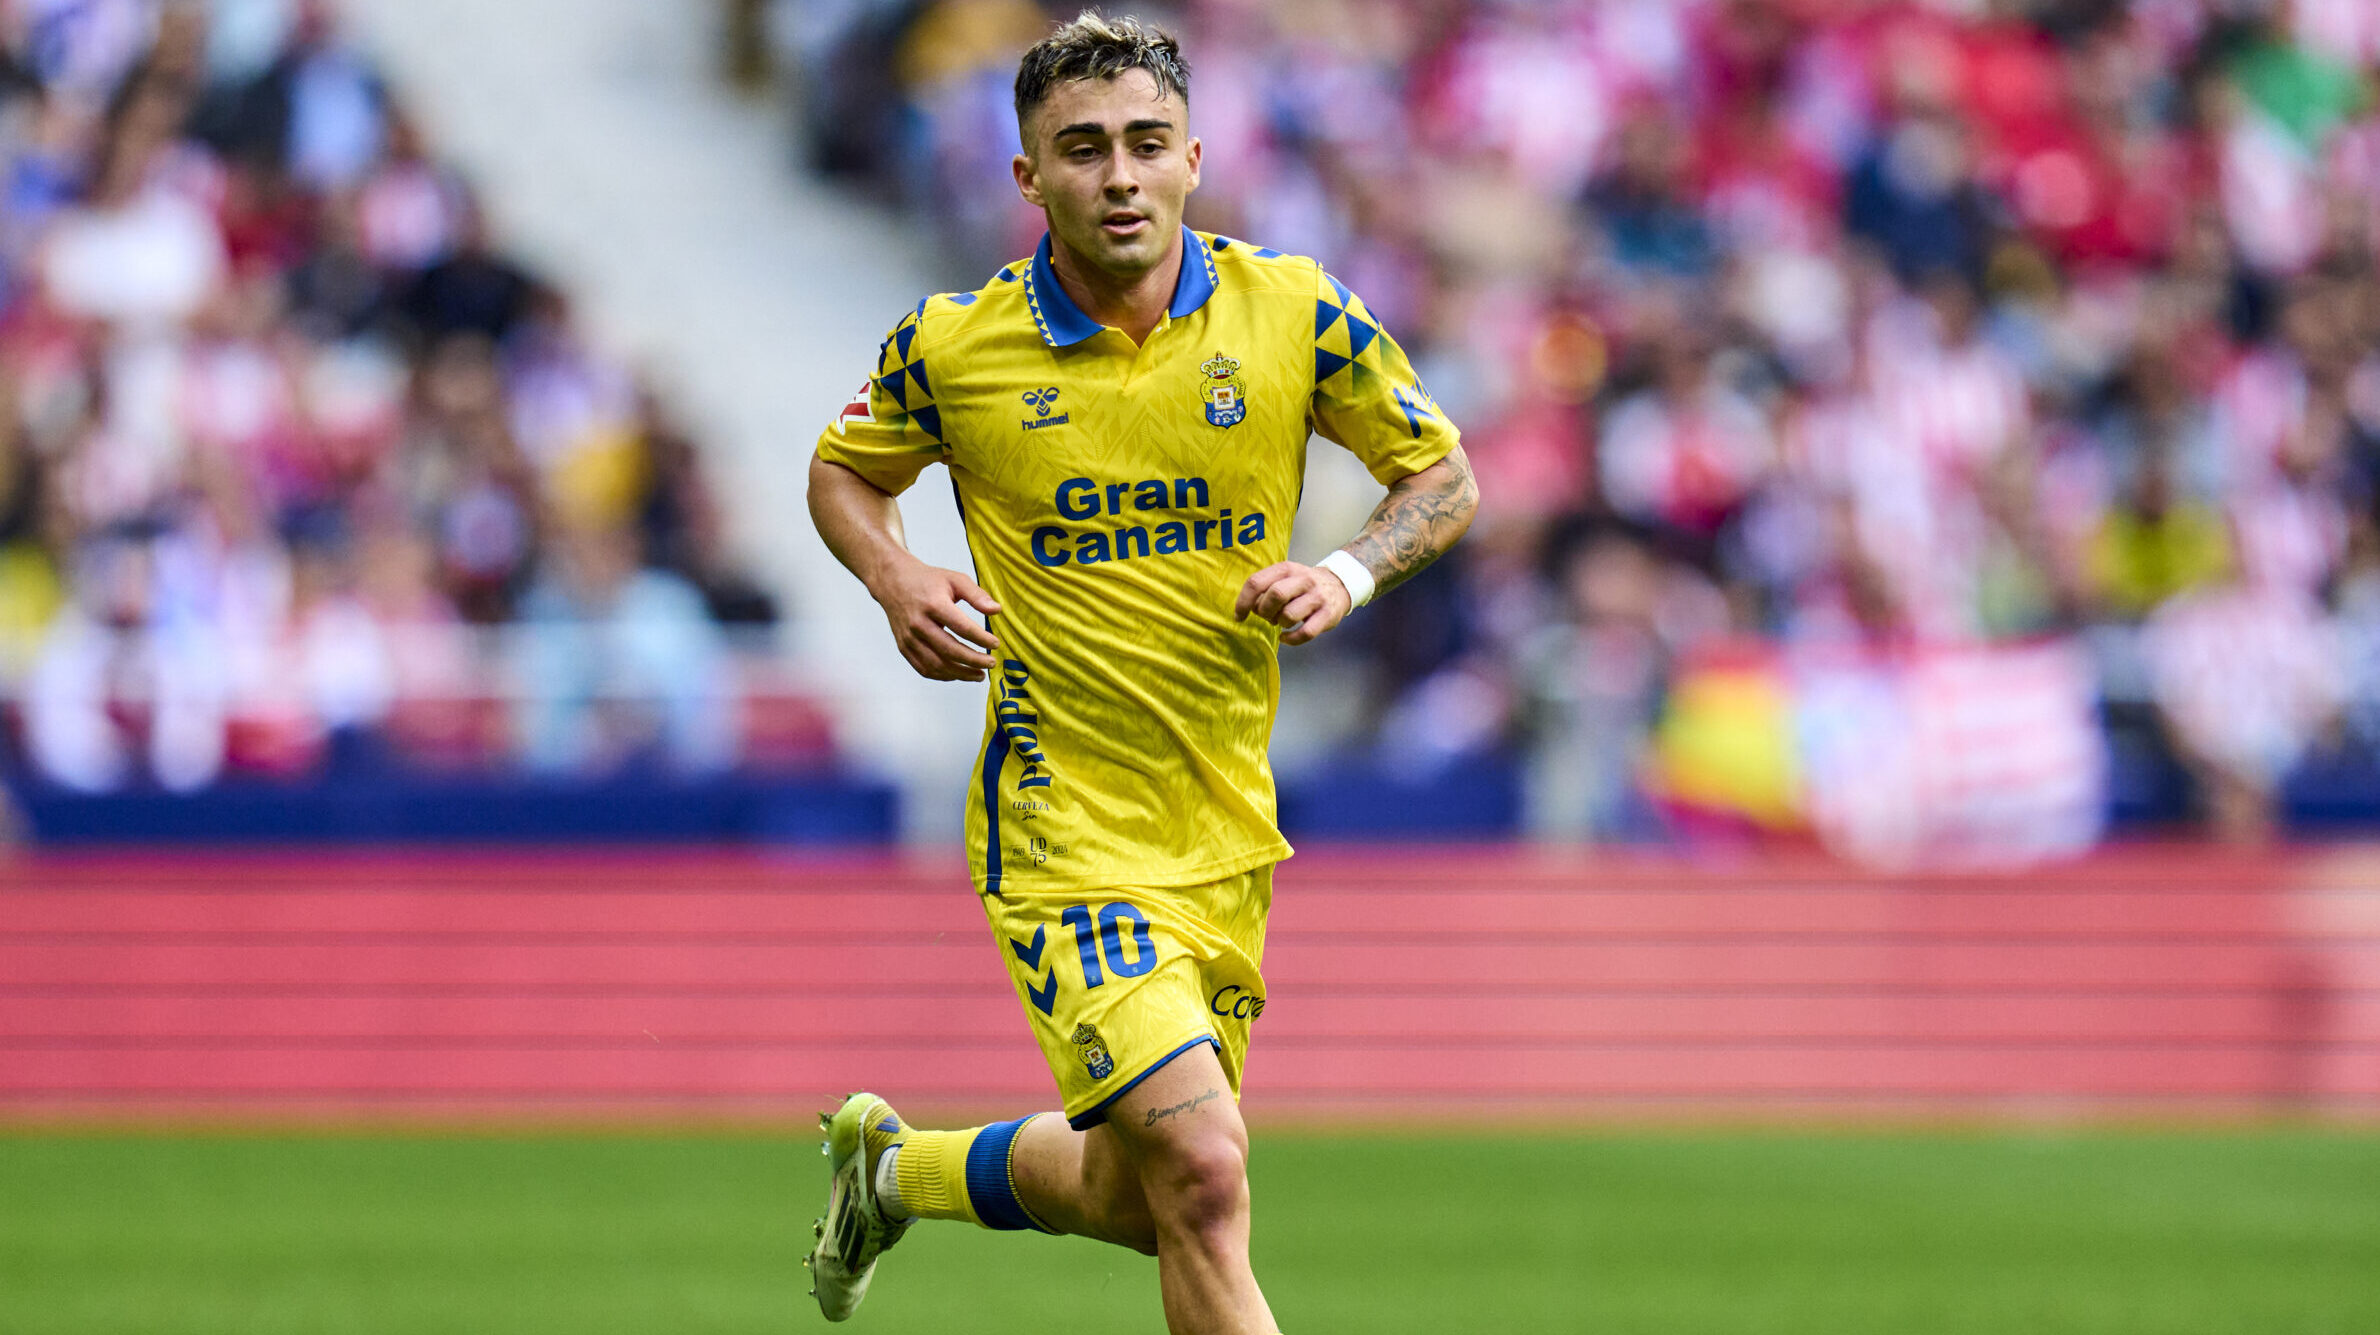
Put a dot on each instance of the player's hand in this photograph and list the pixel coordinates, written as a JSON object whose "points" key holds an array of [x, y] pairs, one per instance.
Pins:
{"points": [[1308, 600], [922, 604]]}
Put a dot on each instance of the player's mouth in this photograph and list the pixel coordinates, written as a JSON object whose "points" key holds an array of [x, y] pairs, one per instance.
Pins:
{"points": [[1123, 223]]}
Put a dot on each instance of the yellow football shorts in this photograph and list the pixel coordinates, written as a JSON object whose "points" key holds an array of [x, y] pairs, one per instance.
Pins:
{"points": [[1118, 982]]}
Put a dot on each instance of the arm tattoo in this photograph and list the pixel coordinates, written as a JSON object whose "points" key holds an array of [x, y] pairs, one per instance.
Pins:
{"points": [[1417, 521]]}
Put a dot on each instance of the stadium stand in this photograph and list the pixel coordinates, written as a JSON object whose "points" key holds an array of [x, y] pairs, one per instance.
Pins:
{"points": [[1833, 368], [323, 515]]}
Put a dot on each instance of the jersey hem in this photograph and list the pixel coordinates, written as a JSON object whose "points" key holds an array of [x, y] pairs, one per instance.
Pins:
{"points": [[1435, 459], [1097, 1112], [1276, 851]]}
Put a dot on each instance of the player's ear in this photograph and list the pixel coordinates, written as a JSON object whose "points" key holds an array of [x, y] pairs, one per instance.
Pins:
{"points": [[1028, 182], [1196, 151]]}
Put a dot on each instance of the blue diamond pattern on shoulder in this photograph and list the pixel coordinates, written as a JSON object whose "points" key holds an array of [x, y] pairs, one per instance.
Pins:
{"points": [[1360, 333], [1327, 364], [962, 298], [1346, 298], [921, 304], [1325, 315], [895, 386], [929, 418], [917, 372], [1267, 253], [1221, 243], [1008, 275], [904, 336]]}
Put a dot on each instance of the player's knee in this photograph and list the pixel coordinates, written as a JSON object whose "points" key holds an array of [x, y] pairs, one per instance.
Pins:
{"points": [[1202, 1182]]}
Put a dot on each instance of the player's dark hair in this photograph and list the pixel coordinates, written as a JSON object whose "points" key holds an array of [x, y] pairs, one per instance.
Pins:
{"points": [[1098, 47]]}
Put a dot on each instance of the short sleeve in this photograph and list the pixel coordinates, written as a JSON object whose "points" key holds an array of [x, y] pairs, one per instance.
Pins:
{"points": [[1366, 396], [891, 428]]}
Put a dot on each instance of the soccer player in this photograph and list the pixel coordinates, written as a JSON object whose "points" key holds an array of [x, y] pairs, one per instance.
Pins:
{"points": [[1125, 418]]}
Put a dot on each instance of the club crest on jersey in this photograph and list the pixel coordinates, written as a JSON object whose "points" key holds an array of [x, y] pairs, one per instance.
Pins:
{"points": [[1089, 1046], [1042, 401], [1227, 398]]}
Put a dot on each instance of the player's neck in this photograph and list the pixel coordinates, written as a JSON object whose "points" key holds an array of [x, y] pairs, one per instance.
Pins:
{"points": [[1134, 305]]}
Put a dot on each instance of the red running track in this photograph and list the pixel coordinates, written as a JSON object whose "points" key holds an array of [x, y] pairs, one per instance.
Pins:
{"points": [[1402, 984]]}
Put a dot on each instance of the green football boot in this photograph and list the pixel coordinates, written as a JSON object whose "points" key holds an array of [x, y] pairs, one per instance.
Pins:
{"points": [[854, 1231]]}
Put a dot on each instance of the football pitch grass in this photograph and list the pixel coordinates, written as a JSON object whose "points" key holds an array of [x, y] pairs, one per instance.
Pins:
{"points": [[2270, 1232]]}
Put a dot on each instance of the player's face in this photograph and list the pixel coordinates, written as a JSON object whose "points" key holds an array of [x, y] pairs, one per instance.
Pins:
{"points": [[1111, 162]]}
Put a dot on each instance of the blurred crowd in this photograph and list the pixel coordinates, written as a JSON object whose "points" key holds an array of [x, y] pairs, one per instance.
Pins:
{"points": [[1924, 419], [298, 468]]}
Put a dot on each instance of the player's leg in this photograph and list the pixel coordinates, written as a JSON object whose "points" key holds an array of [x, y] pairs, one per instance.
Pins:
{"points": [[1035, 1172], [1181, 1129], [1166, 1174], [1083, 1183], [886, 1176], [1115, 1037]]}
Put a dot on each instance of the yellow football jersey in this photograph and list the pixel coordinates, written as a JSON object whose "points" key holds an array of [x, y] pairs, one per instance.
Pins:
{"points": [[1116, 497]]}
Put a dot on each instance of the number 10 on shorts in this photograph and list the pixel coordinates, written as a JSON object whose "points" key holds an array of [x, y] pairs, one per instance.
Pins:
{"points": [[1105, 942]]}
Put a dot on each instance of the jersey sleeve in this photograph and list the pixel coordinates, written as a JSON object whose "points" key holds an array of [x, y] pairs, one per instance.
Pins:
{"points": [[1366, 396], [891, 429]]}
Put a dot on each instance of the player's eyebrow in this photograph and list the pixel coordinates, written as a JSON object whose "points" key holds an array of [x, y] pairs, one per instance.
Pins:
{"points": [[1094, 127]]}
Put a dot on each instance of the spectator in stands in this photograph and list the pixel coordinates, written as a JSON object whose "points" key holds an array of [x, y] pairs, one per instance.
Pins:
{"points": [[280, 420], [472, 290], [1687, 450], [2248, 674], [625, 664], [2153, 545], [131, 682], [1593, 679], [1928, 326]]}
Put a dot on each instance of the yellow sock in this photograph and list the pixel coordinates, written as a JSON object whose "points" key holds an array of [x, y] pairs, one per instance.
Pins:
{"points": [[932, 1171], [963, 1175]]}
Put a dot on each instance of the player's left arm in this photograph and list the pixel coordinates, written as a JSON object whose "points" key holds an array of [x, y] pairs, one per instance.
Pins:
{"points": [[1367, 398], [1423, 515]]}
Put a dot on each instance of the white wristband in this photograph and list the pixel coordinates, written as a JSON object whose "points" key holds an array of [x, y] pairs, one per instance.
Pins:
{"points": [[1351, 572]]}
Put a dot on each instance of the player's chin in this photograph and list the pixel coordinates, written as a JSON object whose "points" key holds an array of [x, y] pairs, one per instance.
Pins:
{"points": [[1133, 253]]}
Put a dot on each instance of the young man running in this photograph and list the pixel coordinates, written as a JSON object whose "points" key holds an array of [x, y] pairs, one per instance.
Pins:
{"points": [[1125, 417]]}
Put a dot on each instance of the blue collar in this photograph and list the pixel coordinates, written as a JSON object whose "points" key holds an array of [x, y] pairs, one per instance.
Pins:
{"points": [[1063, 324]]}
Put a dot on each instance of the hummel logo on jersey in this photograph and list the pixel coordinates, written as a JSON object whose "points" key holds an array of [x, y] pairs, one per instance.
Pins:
{"points": [[1042, 400]]}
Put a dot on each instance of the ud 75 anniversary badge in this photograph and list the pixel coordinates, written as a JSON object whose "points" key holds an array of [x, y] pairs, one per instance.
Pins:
{"points": [[1227, 399]]}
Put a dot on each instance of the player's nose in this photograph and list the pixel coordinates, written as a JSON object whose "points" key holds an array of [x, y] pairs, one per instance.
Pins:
{"points": [[1122, 179]]}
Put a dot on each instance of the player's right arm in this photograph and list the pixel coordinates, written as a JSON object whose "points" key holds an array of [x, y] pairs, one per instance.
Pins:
{"points": [[883, 439]]}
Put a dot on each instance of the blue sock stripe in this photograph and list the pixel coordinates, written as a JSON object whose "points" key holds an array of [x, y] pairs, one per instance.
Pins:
{"points": [[989, 1189]]}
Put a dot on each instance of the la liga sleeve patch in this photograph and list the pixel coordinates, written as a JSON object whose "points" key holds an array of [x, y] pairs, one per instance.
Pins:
{"points": [[857, 410]]}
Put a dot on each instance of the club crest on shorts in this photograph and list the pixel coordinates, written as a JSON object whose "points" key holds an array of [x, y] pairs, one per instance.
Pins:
{"points": [[1089, 1046], [1227, 398]]}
